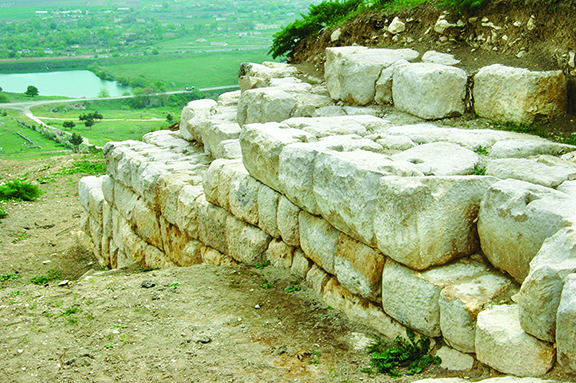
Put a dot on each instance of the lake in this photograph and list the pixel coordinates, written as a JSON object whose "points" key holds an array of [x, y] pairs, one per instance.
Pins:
{"points": [[76, 84]]}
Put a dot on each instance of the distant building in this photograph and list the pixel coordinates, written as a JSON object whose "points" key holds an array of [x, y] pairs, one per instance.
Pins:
{"points": [[218, 44]]}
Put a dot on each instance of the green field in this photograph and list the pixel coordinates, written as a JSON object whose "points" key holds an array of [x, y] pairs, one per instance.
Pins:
{"points": [[202, 70]]}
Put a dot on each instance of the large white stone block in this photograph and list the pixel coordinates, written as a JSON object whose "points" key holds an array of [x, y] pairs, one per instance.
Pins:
{"points": [[566, 317], [287, 221], [540, 294], [265, 105], [429, 91], [351, 72], [517, 94], [503, 345], [243, 197], [514, 220], [261, 147], [245, 243], [268, 210], [525, 146], [530, 170], [91, 196], [426, 221], [194, 113], [318, 240], [411, 297], [327, 126], [214, 132], [440, 159], [212, 225]]}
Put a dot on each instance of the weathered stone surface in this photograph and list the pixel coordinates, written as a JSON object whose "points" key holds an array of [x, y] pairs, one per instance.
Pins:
{"points": [[425, 221], [124, 200], [212, 225], [351, 72], [213, 133], [261, 147], [439, 58], [192, 115], [227, 173], [530, 170], [518, 95], [287, 221], [503, 379], [214, 257], [192, 253], [170, 141], [540, 294], [317, 278], [146, 223], [268, 210], [527, 146], [429, 91], [327, 126], [568, 187], [245, 243], [346, 187], [243, 197], [228, 149], [460, 304], [440, 159], [107, 189], [318, 240], [565, 335], [503, 345], [187, 206], [396, 26], [279, 254], [361, 310], [265, 105], [300, 264], [383, 87], [411, 297], [453, 360], [514, 220], [175, 242], [91, 196], [211, 181], [229, 98], [395, 142], [359, 267], [253, 75]]}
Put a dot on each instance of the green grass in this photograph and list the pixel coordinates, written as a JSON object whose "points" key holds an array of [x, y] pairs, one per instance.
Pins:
{"points": [[202, 71], [85, 167], [21, 97], [106, 131], [43, 279]]}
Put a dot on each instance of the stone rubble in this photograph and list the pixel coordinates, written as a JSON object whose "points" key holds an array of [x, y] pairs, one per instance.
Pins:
{"points": [[391, 222]]}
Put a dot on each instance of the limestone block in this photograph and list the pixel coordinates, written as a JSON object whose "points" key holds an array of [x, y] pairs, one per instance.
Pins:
{"points": [[327, 126], [171, 141], [527, 146], [503, 345], [361, 310], [440, 159], [261, 146], [359, 267], [383, 87], [460, 304], [192, 115], [96, 234], [517, 94], [300, 264], [330, 111], [211, 181], [227, 173], [395, 142], [287, 221], [124, 200], [396, 26], [453, 360], [429, 91], [146, 224], [568, 187], [530, 170], [212, 225], [268, 210], [91, 196], [346, 187], [145, 182], [245, 243], [279, 254], [425, 221], [108, 189], [439, 58], [411, 297], [187, 206], [264, 105], [229, 98], [243, 197], [541, 291], [351, 72], [175, 242], [106, 220], [213, 133], [308, 103], [153, 258], [169, 187], [317, 278], [251, 74], [565, 335], [318, 240], [290, 84], [228, 149], [349, 143], [514, 220], [214, 257]]}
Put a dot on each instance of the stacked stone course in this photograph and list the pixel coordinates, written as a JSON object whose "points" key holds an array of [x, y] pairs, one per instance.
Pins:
{"points": [[387, 221]]}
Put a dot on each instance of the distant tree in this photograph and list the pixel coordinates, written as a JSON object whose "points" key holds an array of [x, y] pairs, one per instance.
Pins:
{"points": [[169, 117], [96, 115], [76, 140], [68, 124], [103, 93], [31, 91], [89, 122], [82, 117], [0, 89]]}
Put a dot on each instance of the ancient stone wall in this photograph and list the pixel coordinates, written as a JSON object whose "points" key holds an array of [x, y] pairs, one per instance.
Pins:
{"points": [[456, 233]]}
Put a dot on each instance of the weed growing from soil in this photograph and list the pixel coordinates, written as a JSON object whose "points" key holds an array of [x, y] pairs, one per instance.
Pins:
{"points": [[8, 277], [21, 237], [481, 150], [85, 167], [43, 279], [262, 265], [19, 190], [3, 213], [413, 354]]}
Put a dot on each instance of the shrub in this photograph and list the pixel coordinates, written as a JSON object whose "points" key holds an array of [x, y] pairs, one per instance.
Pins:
{"points": [[325, 14], [19, 190], [462, 5]]}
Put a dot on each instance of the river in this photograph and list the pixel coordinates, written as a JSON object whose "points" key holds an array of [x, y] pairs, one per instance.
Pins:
{"points": [[75, 84]]}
